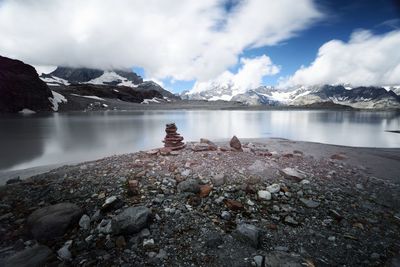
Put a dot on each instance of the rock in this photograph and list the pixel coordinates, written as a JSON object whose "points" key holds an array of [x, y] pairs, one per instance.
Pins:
{"points": [[233, 204], [120, 242], [259, 261], [111, 203], [21, 88], [53, 221], [248, 233], [14, 180], [274, 188], [257, 168], [173, 140], [162, 254], [186, 172], [198, 147], [305, 181], [84, 222], [148, 242], [133, 187], [105, 226], [226, 215], [332, 238], [205, 190], [235, 143], [375, 256], [131, 220], [189, 185], [33, 256], [282, 259], [214, 240], [64, 253], [218, 179], [293, 174], [291, 221], [264, 194], [338, 157], [309, 203], [211, 145]]}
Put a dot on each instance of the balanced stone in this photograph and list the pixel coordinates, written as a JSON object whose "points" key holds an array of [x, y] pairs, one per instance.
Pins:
{"points": [[173, 140]]}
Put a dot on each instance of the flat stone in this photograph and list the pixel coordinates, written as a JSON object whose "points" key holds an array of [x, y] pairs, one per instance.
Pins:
{"points": [[131, 220], [53, 221], [291, 221], [309, 203], [264, 194], [258, 260], [189, 185], [105, 226], [280, 259], [218, 179], [274, 188], [293, 174], [233, 204], [249, 234], [34, 256]]}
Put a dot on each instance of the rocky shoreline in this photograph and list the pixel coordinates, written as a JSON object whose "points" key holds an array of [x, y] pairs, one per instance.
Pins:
{"points": [[243, 204]]}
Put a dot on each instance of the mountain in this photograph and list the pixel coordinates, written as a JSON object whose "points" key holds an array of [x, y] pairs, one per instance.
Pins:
{"points": [[21, 89], [65, 76], [359, 97]]}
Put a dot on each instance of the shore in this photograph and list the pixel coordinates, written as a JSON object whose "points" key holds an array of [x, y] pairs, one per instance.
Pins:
{"points": [[276, 201]]}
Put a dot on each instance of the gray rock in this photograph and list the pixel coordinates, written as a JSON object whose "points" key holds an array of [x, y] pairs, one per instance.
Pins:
{"points": [[226, 215], [14, 180], [218, 179], [248, 233], [274, 188], [282, 259], [258, 167], [264, 194], [53, 221], [105, 226], [131, 220], [309, 203], [293, 174], [162, 254], [259, 261], [291, 221], [34, 256], [84, 222], [214, 240], [64, 252], [189, 185]]}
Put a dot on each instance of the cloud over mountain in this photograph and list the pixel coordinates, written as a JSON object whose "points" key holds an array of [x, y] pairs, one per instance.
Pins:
{"points": [[366, 59], [180, 39]]}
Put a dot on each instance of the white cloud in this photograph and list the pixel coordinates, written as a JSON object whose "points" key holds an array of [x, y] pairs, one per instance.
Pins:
{"points": [[249, 76], [367, 59], [179, 39]]}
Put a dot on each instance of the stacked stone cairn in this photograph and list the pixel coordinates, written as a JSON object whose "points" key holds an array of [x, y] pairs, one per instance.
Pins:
{"points": [[173, 140]]}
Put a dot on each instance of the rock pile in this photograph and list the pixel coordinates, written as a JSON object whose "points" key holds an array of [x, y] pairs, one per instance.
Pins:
{"points": [[173, 140]]}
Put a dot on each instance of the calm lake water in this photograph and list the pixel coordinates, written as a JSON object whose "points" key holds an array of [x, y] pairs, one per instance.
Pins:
{"points": [[30, 141]]}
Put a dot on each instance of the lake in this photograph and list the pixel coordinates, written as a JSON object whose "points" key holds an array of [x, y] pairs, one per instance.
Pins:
{"points": [[36, 140]]}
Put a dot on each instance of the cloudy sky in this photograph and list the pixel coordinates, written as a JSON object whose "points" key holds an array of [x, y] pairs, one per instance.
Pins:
{"points": [[190, 44]]}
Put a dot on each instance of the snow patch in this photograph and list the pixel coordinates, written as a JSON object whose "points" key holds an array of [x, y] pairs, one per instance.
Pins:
{"points": [[27, 111], [54, 80], [148, 101], [90, 97], [57, 99], [111, 76]]}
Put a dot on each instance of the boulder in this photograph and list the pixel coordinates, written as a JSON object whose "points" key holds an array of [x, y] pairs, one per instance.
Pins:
{"points": [[53, 221], [131, 220], [21, 88], [235, 143], [31, 257]]}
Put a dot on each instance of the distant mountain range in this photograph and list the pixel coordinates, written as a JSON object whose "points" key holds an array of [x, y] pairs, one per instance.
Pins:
{"points": [[358, 97], [66, 89]]}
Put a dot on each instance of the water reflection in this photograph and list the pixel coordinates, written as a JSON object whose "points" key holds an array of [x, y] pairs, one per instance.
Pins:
{"points": [[61, 138]]}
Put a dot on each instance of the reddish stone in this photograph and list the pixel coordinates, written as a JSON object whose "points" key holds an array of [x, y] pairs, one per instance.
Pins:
{"points": [[133, 187], [205, 190], [338, 157], [233, 204]]}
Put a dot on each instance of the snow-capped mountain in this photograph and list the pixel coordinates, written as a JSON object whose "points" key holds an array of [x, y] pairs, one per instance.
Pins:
{"points": [[65, 76], [358, 97]]}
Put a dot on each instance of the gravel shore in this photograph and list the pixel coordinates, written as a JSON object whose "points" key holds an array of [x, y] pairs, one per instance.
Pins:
{"points": [[269, 203]]}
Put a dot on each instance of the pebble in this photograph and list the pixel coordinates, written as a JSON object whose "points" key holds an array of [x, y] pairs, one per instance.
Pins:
{"points": [[84, 222], [64, 252], [274, 188], [264, 194], [226, 215]]}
